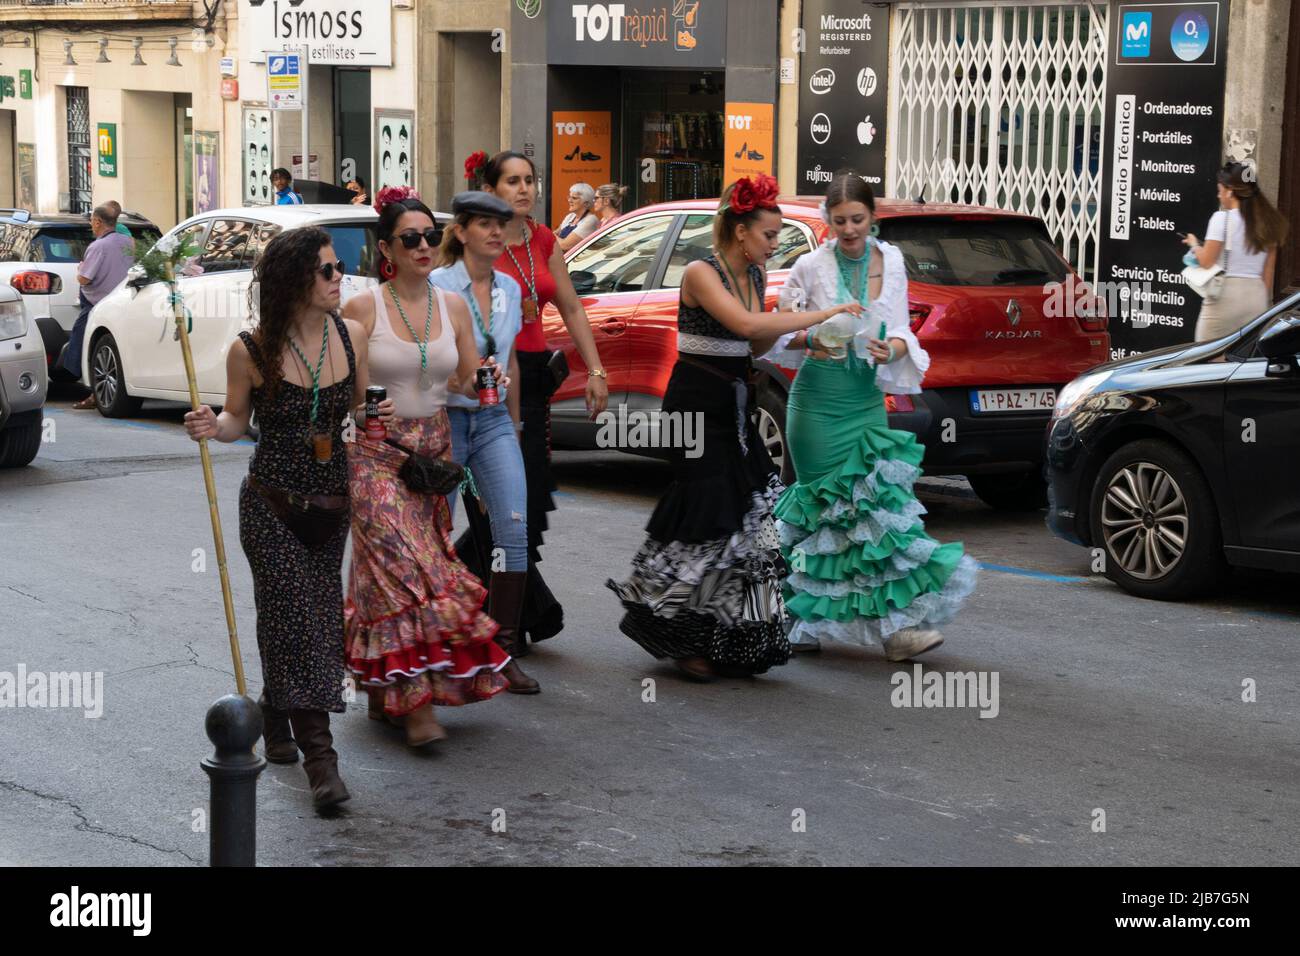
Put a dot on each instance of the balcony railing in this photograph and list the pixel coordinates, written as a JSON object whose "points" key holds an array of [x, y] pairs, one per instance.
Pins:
{"points": [[90, 10]]}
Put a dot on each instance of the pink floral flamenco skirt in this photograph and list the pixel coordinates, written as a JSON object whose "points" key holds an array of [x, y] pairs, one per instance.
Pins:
{"points": [[414, 618]]}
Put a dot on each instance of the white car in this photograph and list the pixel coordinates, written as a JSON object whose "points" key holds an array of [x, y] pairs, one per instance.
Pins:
{"points": [[22, 382], [131, 348], [39, 255]]}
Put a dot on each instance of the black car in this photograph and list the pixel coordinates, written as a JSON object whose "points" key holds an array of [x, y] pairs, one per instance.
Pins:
{"points": [[1181, 463]]}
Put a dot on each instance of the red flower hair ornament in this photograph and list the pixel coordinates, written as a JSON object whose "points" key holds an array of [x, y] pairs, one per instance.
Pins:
{"points": [[474, 164], [392, 194], [750, 194]]}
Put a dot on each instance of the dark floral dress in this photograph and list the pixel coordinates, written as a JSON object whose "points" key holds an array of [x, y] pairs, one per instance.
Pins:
{"points": [[298, 591]]}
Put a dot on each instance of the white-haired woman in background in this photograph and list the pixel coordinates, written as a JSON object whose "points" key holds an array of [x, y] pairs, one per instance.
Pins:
{"points": [[581, 222]]}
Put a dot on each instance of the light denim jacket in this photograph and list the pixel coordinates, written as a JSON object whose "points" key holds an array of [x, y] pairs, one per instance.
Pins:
{"points": [[506, 320]]}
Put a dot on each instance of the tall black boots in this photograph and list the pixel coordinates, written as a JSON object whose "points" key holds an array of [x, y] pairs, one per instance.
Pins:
{"points": [[505, 604]]}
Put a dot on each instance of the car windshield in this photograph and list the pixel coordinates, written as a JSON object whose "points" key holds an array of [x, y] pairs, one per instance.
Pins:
{"points": [[942, 250], [355, 246]]}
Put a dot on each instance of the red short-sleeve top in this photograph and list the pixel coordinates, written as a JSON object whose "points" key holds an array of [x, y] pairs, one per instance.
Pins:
{"points": [[535, 281]]}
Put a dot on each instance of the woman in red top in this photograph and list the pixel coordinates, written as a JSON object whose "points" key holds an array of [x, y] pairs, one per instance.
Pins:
{"points": [[535, 261]]}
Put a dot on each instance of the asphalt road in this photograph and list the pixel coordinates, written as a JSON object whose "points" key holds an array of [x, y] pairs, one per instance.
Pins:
{"points": [[1107, 704]]}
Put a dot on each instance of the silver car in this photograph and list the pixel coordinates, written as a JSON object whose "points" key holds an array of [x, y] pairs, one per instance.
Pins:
{"points": [[23, 382]]}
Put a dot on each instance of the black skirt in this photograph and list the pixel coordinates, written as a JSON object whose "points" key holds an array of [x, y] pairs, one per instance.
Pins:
{"points": [[706, 582]]}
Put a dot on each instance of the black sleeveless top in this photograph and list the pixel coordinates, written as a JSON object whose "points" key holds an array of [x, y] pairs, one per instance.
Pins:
{"points": [[284, 456], [694, 320]]}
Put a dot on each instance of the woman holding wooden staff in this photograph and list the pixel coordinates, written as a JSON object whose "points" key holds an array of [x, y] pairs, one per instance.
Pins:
{"points": [[300, 371]]}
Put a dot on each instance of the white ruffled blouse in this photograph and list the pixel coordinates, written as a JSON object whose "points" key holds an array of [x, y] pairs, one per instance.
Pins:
{"points": [[813, 284]]}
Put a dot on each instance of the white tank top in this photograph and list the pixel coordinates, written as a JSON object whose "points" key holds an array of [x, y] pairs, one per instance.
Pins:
{"points": [[395, 363]]}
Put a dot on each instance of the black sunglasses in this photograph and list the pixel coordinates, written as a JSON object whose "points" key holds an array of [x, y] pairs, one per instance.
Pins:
{"points": [[412, 238], [328, 269]]}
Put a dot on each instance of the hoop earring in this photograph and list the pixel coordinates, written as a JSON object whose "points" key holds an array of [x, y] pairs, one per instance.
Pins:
{"points": [[387, 270], [875, 229]]}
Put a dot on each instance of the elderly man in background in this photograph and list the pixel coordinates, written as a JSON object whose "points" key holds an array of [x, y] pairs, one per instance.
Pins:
{"points": [[102, 268]]}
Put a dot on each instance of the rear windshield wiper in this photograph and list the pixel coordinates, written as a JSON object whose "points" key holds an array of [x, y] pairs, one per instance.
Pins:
{"points": [[1008, 276]]}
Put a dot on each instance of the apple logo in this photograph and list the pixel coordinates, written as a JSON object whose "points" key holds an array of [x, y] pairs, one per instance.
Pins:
{"points": [[866, 131]]}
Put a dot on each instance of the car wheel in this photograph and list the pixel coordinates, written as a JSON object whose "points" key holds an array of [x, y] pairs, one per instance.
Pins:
{"points": [[771, 429], [108, 382], [1020, 491], [18, 446], [1153, 514]]}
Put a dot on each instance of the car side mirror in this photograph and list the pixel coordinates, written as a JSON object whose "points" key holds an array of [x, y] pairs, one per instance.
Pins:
{"points": [[136, 278], [1280, 344], [584, 283]]}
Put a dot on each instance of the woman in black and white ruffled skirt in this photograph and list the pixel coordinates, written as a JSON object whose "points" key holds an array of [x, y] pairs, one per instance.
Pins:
{"points": [[705, 587]]}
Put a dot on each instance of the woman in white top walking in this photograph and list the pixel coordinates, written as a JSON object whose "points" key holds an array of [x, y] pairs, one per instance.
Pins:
{"points": [[1243, 237], [416, 632]]}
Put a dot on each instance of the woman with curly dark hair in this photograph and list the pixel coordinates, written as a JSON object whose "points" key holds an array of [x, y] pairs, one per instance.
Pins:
{"points": [[300, 371]]}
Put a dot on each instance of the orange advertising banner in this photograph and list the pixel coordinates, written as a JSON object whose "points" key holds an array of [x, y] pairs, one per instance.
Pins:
{"points": [[580, 144], [747, 141]]}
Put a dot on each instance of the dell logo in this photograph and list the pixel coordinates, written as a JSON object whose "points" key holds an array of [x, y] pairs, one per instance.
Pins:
{"points": [[820, 129]]}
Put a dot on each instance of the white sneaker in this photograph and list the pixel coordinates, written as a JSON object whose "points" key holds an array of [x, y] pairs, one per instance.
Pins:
{"points": [[911, 642]]}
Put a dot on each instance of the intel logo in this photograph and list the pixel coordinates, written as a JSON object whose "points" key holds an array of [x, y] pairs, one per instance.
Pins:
{"points": [[821, 81]]}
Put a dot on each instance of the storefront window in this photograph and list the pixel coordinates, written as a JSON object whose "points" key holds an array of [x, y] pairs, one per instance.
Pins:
{"points": [[673, 121]]}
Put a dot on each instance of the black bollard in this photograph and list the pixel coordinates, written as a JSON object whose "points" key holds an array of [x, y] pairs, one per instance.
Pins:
{"points": [[233, 725]]}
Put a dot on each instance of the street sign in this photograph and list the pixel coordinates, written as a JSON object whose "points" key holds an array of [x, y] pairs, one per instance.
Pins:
{"points": [[284, 81]]}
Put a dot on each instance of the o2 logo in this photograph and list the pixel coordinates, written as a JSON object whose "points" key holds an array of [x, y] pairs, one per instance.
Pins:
{"points": [[1190, 35]]}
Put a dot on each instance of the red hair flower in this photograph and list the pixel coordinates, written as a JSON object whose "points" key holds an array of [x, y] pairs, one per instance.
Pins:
{"points": [[392, 194], [474, 163], [750, 194]]}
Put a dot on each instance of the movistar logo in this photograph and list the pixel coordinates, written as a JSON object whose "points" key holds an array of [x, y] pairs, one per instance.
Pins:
{"points": [[1136, 35]]}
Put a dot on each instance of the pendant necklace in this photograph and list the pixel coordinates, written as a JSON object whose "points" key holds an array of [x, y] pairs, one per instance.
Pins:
{"points": [[530, 280], [318, 439], [426, 373]]}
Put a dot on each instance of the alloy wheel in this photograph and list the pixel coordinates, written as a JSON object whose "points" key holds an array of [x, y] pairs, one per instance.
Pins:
{"points": [[103, 375], [1144, 519]]}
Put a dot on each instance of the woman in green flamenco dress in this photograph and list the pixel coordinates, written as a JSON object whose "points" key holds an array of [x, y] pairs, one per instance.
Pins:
{"points": [[862, 568]]}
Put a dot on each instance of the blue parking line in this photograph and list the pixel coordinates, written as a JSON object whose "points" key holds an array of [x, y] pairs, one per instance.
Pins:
{"points": [[1027, 573]]}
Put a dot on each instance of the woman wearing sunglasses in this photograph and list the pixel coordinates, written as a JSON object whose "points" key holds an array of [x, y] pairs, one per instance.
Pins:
{"points": [[416, 635], [485, 436], [300, 370]]}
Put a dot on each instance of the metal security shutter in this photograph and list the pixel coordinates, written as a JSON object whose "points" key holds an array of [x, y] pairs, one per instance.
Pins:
{"points": [[78, 149], [1001, 104]]}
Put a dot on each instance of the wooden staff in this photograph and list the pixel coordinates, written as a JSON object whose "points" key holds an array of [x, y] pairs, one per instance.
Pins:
{"points": [[183, 334]]}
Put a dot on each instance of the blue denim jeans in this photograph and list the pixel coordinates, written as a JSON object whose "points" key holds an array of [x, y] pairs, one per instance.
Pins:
{"points": [[76, 338], [486, 442]]}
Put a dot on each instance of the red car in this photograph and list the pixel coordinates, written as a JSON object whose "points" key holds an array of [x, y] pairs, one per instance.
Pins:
{"points": [[979, 284]]}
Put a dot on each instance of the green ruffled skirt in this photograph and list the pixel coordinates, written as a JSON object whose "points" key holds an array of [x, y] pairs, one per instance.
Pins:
{"points": [[862, 566]]}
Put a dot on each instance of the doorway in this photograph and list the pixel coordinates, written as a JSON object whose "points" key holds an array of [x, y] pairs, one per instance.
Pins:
{"points": [[184, 113], [1286, 279], [352, 125]]}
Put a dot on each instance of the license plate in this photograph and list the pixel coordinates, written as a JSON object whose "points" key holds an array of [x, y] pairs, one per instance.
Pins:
{"points": [[985, 401]]}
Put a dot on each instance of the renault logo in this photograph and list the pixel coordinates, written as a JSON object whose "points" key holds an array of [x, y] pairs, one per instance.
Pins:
{"points": [[1013, 312]]}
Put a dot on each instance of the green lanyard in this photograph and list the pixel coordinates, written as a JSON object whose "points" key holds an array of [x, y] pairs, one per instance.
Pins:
{"points": [[748, 300], [315, 372], [489, 343], [428, 324], [530, 280]]}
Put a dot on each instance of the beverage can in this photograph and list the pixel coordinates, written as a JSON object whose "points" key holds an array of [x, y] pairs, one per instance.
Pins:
{"points": [[486, 381], [374, 427]]}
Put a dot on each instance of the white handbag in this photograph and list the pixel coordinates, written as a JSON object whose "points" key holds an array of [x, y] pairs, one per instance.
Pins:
{"points": [[1207, 281]]}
